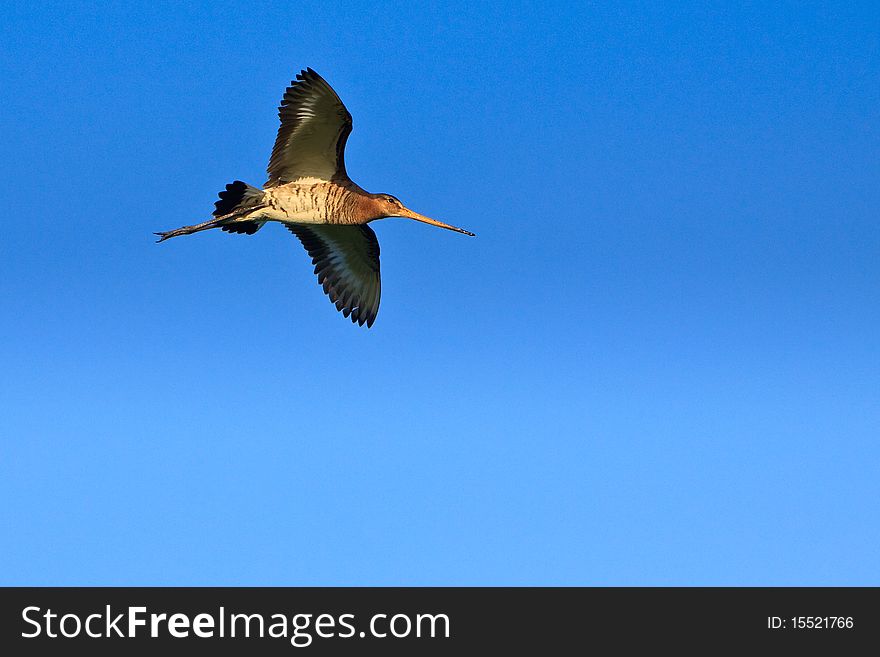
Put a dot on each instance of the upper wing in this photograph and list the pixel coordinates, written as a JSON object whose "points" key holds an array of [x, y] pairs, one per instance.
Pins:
{"points": [[314, 128], [346, 260]]}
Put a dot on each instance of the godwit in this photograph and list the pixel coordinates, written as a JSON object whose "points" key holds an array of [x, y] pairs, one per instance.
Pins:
{"points": [[310, 193]]}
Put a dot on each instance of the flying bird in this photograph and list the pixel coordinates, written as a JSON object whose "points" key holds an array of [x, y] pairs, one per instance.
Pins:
{"points": [[310, 193]]}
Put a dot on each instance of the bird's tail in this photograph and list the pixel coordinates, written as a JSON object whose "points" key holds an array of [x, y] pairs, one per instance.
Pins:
{"points": [[239, 199], [237, 196], [230, 212]]}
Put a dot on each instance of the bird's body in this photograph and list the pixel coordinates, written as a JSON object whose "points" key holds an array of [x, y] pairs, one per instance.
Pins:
{"points": [[318, 202], [309, 191]]}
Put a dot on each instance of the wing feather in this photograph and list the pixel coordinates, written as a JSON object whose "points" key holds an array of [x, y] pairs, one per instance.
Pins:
{"points": [[314, 128], [346, 260]]}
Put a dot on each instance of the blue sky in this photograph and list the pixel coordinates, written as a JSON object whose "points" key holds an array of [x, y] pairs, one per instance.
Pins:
{"points": [[657, 363]]}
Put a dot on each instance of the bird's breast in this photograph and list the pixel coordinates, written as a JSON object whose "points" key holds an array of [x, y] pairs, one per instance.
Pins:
{"points": [[310, 202]]}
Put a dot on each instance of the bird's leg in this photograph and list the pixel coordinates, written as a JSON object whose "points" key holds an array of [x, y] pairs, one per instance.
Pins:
{"points": [[216, 222], [188, 230]]}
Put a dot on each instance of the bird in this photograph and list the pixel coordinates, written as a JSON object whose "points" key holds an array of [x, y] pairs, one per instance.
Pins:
{"points": [[310, 193]]}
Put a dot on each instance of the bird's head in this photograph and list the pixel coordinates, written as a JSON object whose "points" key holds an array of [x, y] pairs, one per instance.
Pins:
{"points": [[389, 206]]}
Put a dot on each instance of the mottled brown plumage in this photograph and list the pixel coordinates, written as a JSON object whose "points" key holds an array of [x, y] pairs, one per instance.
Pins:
{"points": [[309, 191]]}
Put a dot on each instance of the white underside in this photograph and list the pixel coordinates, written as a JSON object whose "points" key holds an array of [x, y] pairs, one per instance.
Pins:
{"points": [[295, 217], [292, 203]]}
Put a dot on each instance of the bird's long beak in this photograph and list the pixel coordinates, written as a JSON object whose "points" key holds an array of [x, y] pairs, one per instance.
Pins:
{"points": [[406, 212]]}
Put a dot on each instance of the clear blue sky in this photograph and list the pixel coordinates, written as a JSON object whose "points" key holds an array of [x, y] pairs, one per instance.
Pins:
{"points": [[657, 363]]}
